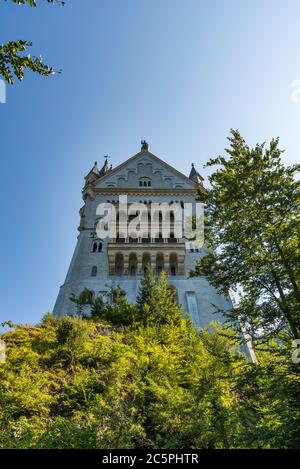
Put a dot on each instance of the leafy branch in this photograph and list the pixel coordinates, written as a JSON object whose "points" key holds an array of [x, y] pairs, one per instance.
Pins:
{"points": [[13, 61]]}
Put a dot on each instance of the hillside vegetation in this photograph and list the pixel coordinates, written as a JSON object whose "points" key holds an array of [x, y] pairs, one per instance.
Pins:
{"points": [[150, 381]]}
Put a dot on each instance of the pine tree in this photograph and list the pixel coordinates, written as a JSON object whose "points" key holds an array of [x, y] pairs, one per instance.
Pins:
{"points": [[146, 289], [156, 299]]}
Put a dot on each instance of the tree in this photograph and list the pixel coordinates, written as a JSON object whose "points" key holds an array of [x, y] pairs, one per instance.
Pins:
{"points": [[84, 299], [147, 288], [252, 228], [13, 62], [156, 300]]}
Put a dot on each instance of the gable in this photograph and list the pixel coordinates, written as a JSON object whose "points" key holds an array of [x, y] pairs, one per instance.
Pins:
{"points": [[145, 170]]}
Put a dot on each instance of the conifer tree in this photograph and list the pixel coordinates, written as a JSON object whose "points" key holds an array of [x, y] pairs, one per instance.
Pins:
{"points": [[156, 300]]}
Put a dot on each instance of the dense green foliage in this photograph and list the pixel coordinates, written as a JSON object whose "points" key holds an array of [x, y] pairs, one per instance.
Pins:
{"points": [[253, 227], [13, 61], [151, 381]]}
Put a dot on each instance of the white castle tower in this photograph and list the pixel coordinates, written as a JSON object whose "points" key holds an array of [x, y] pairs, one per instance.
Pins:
{"points": [[101, 262]]}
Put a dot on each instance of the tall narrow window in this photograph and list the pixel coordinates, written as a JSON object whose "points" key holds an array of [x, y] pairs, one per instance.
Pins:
{"points": [[119, 264], [94, 271], [132, 264], [173, 264], [100, 247], [146, 262], [159, 263]]}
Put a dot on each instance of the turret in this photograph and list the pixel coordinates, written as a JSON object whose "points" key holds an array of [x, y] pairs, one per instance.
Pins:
{"points": [[195, 176]]}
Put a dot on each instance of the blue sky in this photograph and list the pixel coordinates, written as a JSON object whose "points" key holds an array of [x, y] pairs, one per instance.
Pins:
{"points": [[177, 73]]}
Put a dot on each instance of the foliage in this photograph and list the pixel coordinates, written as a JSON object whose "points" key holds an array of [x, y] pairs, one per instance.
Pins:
{"points": [[252, 229], [80, 383], [13, 61], [155, 303], [156, 300]]}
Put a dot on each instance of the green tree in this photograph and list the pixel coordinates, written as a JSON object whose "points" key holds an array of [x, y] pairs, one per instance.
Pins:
{"points": [[252, 228], [13, 61], [156, 299], [83, 300]]}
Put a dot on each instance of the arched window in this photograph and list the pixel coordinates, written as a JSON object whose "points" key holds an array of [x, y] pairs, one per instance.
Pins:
{"points": [[159, 263], [173, 264], [145, 182], [94, 271], [132, 264], [96, 246], [119, 264], [146, 261]]}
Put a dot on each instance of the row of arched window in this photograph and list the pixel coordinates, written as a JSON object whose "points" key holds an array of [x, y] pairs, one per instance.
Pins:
{"points": [[146, 262], [145, 183]]}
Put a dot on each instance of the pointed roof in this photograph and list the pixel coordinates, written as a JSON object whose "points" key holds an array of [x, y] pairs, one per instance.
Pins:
{"points": [[104, 168], [93, 173], [195, 176]]}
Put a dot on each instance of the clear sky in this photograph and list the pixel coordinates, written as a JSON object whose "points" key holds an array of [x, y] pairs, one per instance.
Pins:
{"points": [[178, 73]]}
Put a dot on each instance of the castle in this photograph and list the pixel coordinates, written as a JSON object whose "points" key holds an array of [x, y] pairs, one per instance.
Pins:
{"points": [[120, 259]]}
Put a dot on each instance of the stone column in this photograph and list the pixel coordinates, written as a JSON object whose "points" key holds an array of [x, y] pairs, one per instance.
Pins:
{"points": [[111, 264], [139, 262], [126, 263], [181, 259], [153, 261], [167, 262]]}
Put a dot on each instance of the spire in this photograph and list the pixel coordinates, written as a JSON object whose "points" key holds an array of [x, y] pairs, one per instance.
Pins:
{"points": [[93, 174], [105, 167], [95, 169], [195, 176]]}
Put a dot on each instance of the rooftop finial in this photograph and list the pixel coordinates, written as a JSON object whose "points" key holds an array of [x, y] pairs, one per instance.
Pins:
{"points": [[145, 145], [104, 168]]}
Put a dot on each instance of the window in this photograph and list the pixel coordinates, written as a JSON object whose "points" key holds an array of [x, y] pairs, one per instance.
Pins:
{"points": [[159, 263], [146, 262], [145, 182], [132, 265], [119, 264], [94, 271], [173, 264], [96, 246]]}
